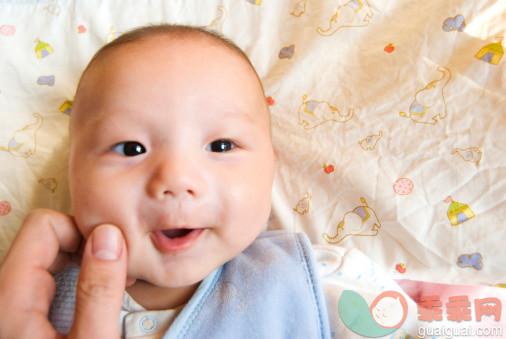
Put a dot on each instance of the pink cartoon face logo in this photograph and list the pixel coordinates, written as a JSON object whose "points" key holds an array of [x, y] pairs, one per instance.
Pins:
{"points": [[389, 309], [385, 315]]}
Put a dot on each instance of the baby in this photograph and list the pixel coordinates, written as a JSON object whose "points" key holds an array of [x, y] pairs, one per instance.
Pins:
{"points": [[170, 142]]}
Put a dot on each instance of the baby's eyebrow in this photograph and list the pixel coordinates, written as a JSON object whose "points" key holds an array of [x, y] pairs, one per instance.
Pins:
{"points": [[239, 115]]}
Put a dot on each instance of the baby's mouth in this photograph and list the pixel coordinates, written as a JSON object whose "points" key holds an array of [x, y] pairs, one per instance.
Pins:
{"points": [[177, 232], [176, 239]]}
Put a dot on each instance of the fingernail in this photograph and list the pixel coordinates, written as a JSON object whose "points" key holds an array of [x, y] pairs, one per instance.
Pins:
{"points": [[106, 243]]}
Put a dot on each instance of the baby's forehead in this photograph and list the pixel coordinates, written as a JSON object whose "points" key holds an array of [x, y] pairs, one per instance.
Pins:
{"points": [[114, 60], [171, 44]]}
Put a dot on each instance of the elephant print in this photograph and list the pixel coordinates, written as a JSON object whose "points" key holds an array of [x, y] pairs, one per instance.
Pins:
{"points": [[369, 143], [430, 102], [49, 183], [362, 221], [354, 13], [314, 113], [300, 8], [303, 205], [23, 143], [471, 154], [217, 24]]}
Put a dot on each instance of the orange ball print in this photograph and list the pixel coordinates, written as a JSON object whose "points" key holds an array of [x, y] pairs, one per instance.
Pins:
{"points": [[403, 186], [5, 207]]}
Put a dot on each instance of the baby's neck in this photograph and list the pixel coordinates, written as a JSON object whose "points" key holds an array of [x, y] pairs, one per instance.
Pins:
{"points": [[153, 297]]}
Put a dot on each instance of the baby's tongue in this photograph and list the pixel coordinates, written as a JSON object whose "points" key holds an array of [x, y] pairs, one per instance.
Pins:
{"points": [[176, 233]]}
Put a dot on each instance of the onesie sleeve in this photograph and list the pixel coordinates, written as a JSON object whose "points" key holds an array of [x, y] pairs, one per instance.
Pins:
{"points": [[350, 271]]}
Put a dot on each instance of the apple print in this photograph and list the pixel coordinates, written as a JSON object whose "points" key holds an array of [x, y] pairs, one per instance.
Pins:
{"points": [[328, 169], [389, 48], [400, 268], [270, 101]]}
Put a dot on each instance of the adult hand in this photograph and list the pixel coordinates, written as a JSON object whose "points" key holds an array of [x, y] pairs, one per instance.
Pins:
{"points": [[46, 243]]}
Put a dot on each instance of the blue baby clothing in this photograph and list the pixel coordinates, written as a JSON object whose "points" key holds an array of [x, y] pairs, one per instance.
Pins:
{"points": [[271, 289]]}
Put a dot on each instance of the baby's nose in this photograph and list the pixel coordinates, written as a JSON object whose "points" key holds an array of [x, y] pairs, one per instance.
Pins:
{"points": [[176, 175]]}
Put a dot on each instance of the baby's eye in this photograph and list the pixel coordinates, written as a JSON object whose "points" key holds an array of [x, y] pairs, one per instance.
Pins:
{"points": [[129, 148], [221, 145]]}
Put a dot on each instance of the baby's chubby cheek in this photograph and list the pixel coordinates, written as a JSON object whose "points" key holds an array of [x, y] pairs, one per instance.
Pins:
{"points": [[94, 205]]}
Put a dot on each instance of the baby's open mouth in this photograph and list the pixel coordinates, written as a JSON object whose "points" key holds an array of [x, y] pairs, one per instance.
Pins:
{"points": [[177, 232], [176, 239]]}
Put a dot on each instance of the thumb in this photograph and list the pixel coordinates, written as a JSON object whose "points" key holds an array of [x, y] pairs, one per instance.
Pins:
{"points": [[101, 285]]}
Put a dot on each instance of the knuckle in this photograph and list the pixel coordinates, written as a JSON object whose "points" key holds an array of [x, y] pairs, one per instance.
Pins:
{"points": [[41, 218], [36, 216], [39, 212], [98, 287]]}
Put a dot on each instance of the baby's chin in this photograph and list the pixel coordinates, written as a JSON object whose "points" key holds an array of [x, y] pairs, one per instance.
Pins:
{"points": [[169, 279]]}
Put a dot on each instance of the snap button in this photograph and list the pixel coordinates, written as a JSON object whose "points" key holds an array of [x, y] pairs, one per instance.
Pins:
{"points": [[147, 324]]}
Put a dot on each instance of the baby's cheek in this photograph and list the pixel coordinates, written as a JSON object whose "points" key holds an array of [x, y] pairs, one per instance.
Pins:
{"points": [[92, 207]]}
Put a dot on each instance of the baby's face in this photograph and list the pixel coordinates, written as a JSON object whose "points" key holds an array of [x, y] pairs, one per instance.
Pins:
{"points": [[170, 142]]}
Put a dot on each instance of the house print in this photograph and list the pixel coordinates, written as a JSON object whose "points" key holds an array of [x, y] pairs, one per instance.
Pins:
{"points": [[457, 212], [66, 107], [42, 49], [491, 53]]}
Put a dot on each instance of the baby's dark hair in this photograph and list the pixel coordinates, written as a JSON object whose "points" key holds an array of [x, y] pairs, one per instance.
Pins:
{"points": [[150, 31]]}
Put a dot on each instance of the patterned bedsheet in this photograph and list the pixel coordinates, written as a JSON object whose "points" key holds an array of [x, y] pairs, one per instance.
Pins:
{"points": [[388, 118]]}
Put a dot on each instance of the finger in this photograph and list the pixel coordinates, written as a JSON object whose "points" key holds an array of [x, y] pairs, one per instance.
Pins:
{"points": [[43, 234], [25, 297], [67, 260], [26, 287], [101, 285]]}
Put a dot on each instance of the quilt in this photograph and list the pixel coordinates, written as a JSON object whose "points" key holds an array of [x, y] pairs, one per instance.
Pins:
{"points": [[388, 118]]}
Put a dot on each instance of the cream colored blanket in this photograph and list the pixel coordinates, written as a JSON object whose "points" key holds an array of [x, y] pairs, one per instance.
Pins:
{"points": [[388, 117]]}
